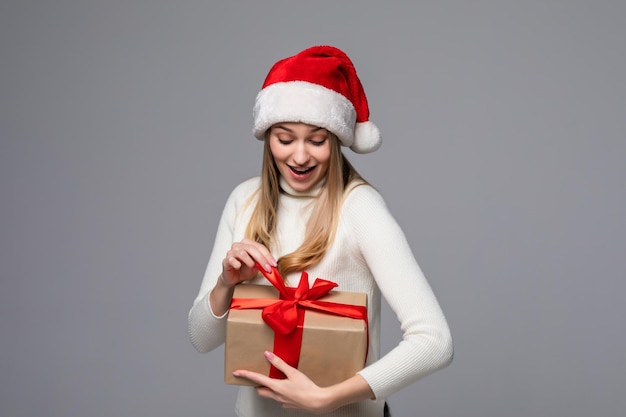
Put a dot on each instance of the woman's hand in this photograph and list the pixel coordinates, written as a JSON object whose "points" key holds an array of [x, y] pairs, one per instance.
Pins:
{"points": [[238, 266], [297, 391], [239, 263]]}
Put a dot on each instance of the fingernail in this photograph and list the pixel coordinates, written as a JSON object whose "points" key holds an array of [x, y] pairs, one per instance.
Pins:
{"points": [[267, 267], [269, 355], [236, 373]]}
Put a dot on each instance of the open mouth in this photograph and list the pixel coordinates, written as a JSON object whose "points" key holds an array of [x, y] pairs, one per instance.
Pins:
{"points": [[301, 171]]}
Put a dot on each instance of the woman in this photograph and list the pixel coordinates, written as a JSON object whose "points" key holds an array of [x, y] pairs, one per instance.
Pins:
{"points": [[310, 210]]}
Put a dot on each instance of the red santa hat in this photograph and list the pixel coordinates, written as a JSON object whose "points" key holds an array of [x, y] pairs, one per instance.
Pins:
{"points": [[318, 86]]}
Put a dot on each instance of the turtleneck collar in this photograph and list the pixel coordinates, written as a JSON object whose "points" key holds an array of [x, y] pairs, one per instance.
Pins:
{"points": [[312, 192]]}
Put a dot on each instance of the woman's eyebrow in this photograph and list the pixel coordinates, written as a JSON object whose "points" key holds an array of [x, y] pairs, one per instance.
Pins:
{"points": [[283, 127], [313, 130]]}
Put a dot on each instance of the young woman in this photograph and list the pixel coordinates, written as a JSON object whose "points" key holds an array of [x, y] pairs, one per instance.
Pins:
{"points": [[311, 211]]}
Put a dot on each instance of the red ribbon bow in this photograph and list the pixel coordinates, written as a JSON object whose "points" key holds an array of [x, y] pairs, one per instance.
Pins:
{"points": [[286, 315]]}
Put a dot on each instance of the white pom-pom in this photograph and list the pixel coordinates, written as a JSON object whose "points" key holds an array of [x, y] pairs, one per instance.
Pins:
{"points": [[366, 138]]}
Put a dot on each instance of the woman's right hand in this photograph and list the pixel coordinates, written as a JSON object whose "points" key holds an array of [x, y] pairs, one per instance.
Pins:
{"points": [[237, 266], [240, 261]]}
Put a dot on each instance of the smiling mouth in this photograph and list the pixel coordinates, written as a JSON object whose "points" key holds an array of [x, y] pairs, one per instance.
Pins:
{"points": [[301, 171]]}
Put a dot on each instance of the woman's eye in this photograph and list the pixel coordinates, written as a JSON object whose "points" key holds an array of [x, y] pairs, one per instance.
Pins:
{"points": [[284, 141], [318, 142]]}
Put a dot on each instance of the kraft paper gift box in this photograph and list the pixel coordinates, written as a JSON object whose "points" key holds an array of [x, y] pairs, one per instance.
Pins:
{"points": [[332, 348]]}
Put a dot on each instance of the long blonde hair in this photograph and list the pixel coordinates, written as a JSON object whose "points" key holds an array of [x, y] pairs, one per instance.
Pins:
{"points": [[322, 225]]}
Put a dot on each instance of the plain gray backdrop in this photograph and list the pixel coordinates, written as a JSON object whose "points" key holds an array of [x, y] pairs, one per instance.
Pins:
{"points": [[125, 124]]}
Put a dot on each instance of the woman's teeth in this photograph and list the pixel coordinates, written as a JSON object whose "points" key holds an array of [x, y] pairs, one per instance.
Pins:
{"points": [[301, 171]]}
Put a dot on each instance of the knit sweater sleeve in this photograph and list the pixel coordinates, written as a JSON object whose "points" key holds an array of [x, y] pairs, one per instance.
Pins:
{"points": [[426, 344], [206, 330]]}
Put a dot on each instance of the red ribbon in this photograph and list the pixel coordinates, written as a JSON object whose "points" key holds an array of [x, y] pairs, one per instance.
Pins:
{"points": [[285, 316]]}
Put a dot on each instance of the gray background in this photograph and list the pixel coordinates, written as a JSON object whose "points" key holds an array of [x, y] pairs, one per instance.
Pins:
{"points": [[125, 124]]}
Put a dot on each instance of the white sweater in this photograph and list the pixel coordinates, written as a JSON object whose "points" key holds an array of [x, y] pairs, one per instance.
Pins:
{"points": [[370, 254]]}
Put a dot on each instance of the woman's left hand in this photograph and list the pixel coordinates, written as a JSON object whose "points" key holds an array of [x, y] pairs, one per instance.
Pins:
{"points": [[297, 391]]}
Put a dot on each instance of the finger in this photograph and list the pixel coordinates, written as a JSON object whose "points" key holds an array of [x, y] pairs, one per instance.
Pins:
{"points": [[235, 269], [230, 268], [280, 364], [261, 380], [231, 262], [240, 259], [251, 253], [261, 254], [268, 393]]}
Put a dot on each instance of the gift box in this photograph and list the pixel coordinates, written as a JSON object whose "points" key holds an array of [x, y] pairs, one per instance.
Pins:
{"points": [[321, 332]]}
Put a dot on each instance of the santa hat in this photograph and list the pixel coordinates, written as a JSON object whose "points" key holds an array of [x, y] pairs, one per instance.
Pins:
{"points": [[318, 86]]}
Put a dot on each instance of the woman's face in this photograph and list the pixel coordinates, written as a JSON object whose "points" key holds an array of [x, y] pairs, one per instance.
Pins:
{"points": [[301, 153]]}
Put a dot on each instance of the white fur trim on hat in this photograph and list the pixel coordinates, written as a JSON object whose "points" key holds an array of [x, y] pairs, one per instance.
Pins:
{"points": [[304, 102]]}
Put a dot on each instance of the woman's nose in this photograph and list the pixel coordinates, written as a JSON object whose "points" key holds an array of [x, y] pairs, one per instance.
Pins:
{"points": [[301, 155]]}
